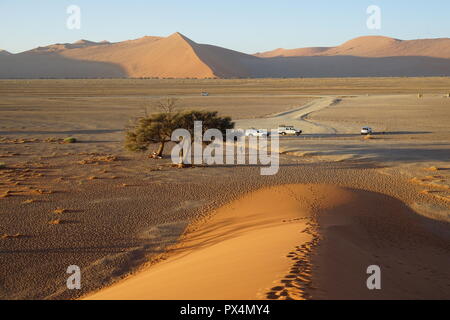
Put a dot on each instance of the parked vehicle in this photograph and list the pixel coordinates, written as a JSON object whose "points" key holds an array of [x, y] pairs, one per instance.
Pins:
{"points": [[366, 131], [288, 130], [256, 133]]}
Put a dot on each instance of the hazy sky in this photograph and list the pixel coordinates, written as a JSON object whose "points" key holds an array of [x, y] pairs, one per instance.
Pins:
{"points": [[246, 25]]}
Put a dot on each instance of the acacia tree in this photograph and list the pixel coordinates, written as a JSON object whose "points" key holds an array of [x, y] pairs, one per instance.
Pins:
{"points": [[209, 119], [158, 127], [154, 128]]}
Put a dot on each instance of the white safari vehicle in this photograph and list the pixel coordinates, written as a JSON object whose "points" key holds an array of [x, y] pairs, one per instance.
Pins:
{"points": [[288, 130], [366, 131], [256, 133]]}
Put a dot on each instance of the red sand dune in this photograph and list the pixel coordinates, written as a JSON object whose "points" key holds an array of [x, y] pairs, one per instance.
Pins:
{"points": [[4, 53], [179, 57], [372, 47]]}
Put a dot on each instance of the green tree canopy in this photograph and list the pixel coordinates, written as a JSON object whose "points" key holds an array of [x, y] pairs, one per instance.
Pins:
{"points": [[157, 128]]}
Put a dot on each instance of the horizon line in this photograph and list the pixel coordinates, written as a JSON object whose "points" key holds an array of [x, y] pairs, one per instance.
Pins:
{"points": [[177, 32]]}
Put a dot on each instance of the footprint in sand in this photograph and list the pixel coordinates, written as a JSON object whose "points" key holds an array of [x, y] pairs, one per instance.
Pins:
{"points": [[297, 284]]}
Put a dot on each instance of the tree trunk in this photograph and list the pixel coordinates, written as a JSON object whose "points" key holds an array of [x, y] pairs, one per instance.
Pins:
{"points": [[160, 151], [181, 157], [181, 164]]}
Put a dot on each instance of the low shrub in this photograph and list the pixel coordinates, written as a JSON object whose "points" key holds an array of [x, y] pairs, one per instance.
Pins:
{"points": [[70, 140]]}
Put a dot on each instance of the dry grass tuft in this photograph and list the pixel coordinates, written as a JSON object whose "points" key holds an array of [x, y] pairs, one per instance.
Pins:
{"points": [[40, 191], [54, 140], [6, 194], [428, 183], [434, 177], [28, 201], [55, 222], [442, 196], [12, 236], [98, 159], [182, 166], [60, 211], [369, 137]]}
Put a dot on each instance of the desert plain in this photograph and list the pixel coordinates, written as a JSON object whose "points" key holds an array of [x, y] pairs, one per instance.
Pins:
{"points": [[141, 229]]}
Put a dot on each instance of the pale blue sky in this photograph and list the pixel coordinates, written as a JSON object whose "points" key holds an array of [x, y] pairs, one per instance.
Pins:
{"points": [[246, 25]]}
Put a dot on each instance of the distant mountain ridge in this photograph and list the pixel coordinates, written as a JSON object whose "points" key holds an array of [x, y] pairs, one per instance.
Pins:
{"points": [[177, 56]]}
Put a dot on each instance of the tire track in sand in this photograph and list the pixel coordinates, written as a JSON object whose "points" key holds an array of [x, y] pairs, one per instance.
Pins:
{"points": [[297, 117]]}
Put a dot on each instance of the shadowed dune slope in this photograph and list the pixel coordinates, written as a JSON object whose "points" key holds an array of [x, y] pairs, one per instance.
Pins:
{"points": [[4, 53], [55, 65]]}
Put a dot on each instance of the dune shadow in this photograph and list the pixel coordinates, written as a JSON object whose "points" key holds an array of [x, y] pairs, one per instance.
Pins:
{"points": [[364, 152], [387, 223], [54, 65], [401, 133], [348, 66], [349, 135]]}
